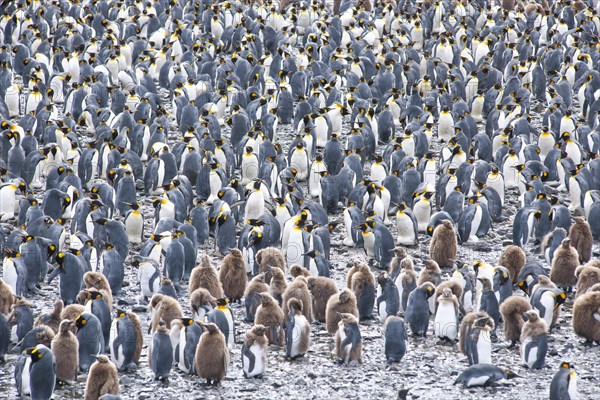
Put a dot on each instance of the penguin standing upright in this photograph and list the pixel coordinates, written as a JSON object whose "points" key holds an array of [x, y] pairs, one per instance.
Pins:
{"points": [[446, 316], [90, 338], [125, 341], [102, 379], [396, 339], [297, 331], [66, 352], [444, 246], [254, 352], [534, 340], [212, 355], [388, 303], [42, 373], [160, 354], [478, 343], [564, 383], [348, 340], [513, 310], [222, 316], [134, 223], [417, 309], [188, 340]]}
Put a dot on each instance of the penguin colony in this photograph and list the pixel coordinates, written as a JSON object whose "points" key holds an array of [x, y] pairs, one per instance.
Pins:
{"points": [[274, 136]]}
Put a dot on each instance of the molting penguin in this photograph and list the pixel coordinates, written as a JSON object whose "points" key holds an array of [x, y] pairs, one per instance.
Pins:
{"points": [[297, 331], [348, 340], [126, 340], [534, 340], [581, 239], [232, 275], [343, 302], [478, 343], [270, 315], [446, 316], [254, 352]]}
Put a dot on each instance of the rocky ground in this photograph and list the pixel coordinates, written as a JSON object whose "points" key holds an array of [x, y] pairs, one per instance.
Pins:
{"points": [[428, 369]]}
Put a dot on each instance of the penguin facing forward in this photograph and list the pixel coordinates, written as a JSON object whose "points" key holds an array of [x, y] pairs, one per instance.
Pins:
{"points": [[126, 340], [348, 340], [446, 316], [160, 354], [297, 331], [42, 372], [212, 355], [254, 352], [396, 339], [232, 275], [478, 344], [222, 316], [66, 352], [564, 264], [534, 340], [102, 379], [444, 246], [270, 315], [564, 383]]}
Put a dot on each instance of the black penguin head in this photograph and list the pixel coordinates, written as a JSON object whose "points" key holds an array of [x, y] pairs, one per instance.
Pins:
{"points": [[222, 302], [187, 321], [80, 321], [34, 353], [119, 313]]}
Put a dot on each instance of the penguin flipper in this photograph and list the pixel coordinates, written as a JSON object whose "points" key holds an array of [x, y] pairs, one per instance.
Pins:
{"points": [[250, 356]]}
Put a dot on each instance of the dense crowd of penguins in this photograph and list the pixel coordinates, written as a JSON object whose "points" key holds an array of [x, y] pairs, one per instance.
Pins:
{"points": [[409, 120]]}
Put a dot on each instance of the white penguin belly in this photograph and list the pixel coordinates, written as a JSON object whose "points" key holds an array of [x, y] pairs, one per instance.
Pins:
{"points": [[259, 361], [445, 321], [348, 240], [422, 212], [9, 274], [299, 161], [255, 206], [182, 342], [299, 327], [547, 301], [369, 244], [295, 248], [484, 348], [406, 231], [134, 226], [475, 225]]}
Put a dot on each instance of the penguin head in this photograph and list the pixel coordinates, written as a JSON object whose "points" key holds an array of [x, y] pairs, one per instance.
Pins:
{"points": [[81, 321], [566, 365], [211, 328], [34, 353], [187, 321], [222, 302]]}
